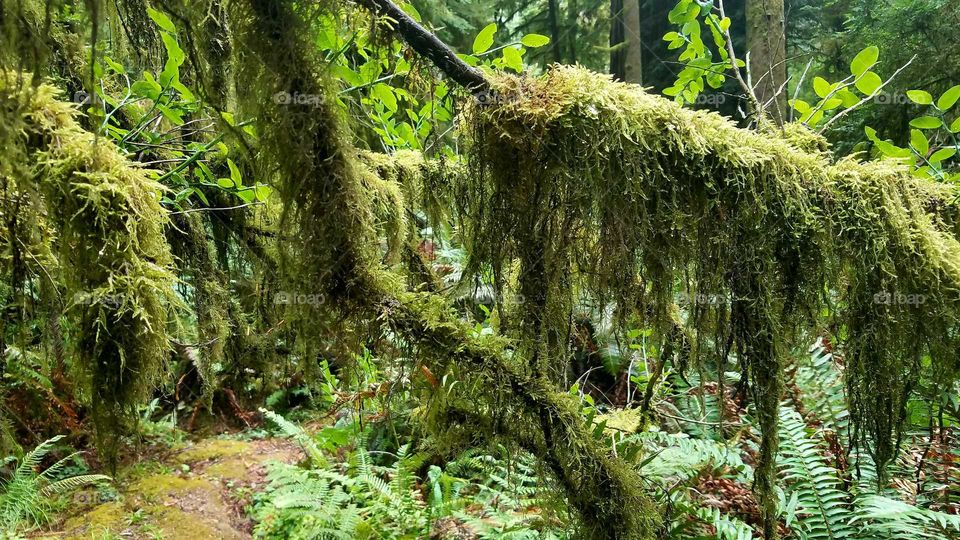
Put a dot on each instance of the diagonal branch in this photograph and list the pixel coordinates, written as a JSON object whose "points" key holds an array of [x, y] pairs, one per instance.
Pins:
{"points": [[429, 45]]}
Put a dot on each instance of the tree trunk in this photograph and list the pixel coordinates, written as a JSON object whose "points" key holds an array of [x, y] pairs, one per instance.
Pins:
{"points": [[626, 58], [766, 41], [552, 13]]}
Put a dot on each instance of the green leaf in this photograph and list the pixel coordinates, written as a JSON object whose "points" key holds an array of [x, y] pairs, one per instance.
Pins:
{"points": [[955, 126], [512, 59], [848, 98], [832, 103], [949, 98], [262, 191], [534, 40], [920, 97], [484, 39], [234, 173], [919, 142], [821, 86], [942, 154], [225, 183], [114, 65], [385, 95], [162, 20], [871, 133], [175, 58], [147, 89], [864, 60], [408, 8], [800, 105], [926, 122], [671, 36], [869, 83]]}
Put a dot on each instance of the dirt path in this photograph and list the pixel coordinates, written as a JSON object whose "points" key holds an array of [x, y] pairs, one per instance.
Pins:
{"points": [[199, 492]]}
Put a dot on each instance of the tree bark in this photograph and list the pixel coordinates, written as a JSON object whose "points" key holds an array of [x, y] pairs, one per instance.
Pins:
{"points": [[766, 41], [626, 54]]}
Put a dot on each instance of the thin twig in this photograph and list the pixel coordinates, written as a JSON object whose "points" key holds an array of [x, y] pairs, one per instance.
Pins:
{"points": [[842, 113]]}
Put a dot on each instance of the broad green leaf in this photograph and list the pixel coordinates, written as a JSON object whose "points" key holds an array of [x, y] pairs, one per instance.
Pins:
{"points": [[864, 60], [869, 83], [949, 98], [919, 142], [385, 95], [832, 103], [147, 89], [821, 87], [247, 194], [114, 65], [942, 154], [848, 98], [225, 183], [262, 192], [408, 8], [920, 97], [162, 20], [175, 58], [955, 126], [677, 14], [512, 59], [234, 173], [800, 105], [871, 133], [484, 39], [725, 24], [671, 36], [534, 40], [926, 122]]}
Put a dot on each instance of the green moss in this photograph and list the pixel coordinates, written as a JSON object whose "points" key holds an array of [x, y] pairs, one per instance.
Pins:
{"points": [[103, 519], [211, 449], [597, 186], [175, 524], [158, 487], [115, 261]]}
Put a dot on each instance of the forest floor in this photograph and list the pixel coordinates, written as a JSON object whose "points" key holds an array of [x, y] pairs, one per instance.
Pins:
{"points": [[191, 491]]}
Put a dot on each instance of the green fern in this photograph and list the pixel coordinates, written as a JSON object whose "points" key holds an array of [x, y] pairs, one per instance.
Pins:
{"points": [[817, 500], [23, 497], [297, 433], [882, 517]]}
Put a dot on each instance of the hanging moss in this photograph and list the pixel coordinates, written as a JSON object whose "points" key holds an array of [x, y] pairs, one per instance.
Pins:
{"points": [[115, 261], [332, 231], [609, 185]]}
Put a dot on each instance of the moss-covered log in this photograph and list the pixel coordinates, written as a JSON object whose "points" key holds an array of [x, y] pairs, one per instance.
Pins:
{"points": [[763, 222]]}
